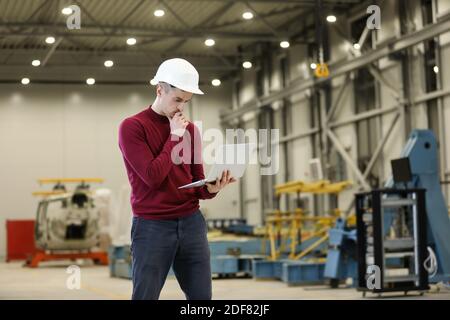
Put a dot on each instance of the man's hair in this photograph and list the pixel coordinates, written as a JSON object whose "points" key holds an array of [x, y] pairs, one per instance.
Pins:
{"points": [[166, 86]]}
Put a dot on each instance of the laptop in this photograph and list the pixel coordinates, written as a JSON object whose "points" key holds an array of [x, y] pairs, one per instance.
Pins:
{"points": [[233, 157]]}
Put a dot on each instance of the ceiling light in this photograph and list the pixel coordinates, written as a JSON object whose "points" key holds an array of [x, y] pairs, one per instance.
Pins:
{"points": [[66, 11], [210, 42], [25, 81], [36, 63], [313, 66], [159, 13], [216, 82], [109, 63], [247, 64], [356, 46], [284, 44], [331, 18], [436, 69], [90, 81], [50, 40], [247, 15], [131, 41]]}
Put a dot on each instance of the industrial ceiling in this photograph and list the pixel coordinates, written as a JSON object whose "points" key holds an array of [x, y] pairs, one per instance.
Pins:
{"points": [[180, 32]]}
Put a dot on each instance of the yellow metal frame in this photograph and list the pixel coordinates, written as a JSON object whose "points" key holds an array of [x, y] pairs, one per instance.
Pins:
{"points": [[311, 247], [318, 187], [56, 181], [285, 225], [69, 180], [48, 193]]}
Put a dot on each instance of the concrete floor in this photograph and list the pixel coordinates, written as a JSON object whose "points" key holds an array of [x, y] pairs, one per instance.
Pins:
{"points": [[49, 282]]}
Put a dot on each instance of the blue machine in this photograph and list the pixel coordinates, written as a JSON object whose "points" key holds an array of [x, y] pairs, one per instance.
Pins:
{"points": [[292, 272], [421, 150], [341, 260]]}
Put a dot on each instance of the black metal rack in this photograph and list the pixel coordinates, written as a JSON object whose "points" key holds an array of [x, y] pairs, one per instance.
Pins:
{"points": [[391, 235]]}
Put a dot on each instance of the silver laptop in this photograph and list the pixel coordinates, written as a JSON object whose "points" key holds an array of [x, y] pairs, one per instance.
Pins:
{"points": [[233, 157]]}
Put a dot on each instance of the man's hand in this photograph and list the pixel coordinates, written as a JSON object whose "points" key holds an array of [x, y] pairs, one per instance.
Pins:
{"points": [[178, 124], [220, 184]]}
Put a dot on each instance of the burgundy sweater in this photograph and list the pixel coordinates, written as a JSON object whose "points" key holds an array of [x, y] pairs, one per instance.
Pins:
{"points": [[146, 145]]}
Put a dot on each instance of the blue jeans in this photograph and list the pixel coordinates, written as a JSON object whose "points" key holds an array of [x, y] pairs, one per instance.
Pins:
{"points": [[156, 245]]}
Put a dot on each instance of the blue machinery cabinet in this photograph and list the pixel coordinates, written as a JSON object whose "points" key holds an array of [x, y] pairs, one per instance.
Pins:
{"points": [[289, 271]]}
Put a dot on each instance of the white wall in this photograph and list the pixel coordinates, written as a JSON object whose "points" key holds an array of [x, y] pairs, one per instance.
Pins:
{"points": [[71, 131]]}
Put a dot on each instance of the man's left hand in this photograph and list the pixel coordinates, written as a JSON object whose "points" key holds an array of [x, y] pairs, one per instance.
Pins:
{"points": [[220, 183]]}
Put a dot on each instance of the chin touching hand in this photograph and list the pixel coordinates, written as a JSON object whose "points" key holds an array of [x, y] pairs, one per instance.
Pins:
{"points": [[178, 124]]}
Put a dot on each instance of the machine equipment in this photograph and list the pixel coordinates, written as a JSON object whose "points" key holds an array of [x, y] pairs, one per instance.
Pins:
{"points": [[391, 257], [67, 223], [422, 154], [403, 230]]}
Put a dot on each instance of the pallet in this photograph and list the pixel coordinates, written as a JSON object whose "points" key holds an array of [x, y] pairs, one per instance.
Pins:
{"points": [[99, 257]]}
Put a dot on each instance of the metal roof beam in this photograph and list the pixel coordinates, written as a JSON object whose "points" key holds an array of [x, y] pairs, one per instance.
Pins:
{"points": [[60, 50], [256, 18], [92, 31], [263, 20], [306, 3], [51, 51], [130, 13]]}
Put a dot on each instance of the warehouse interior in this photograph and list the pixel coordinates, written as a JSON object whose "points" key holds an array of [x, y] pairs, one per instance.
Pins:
{"points": [[353, 171]]}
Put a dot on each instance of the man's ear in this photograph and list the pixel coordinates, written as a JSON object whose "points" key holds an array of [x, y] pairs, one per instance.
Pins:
{"points": [[158, 90]]}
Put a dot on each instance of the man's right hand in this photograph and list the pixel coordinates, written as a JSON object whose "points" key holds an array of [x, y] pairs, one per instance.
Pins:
{"points": [[178, 124]]}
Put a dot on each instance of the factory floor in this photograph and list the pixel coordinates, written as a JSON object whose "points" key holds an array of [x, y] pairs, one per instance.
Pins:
{"points": [[49, 282]]}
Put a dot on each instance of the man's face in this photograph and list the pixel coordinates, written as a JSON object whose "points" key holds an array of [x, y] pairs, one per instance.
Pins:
{"points": [[173, 101]]}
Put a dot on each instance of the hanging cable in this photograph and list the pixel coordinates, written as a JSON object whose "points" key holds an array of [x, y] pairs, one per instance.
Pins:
{"points": [[430, 263]]}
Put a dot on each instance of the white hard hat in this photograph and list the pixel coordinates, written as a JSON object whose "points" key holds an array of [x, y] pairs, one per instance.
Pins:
{"points": [[179, 73]]}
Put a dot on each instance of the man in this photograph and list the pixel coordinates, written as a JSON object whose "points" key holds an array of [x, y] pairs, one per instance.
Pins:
{"points": [[168, 228]]}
